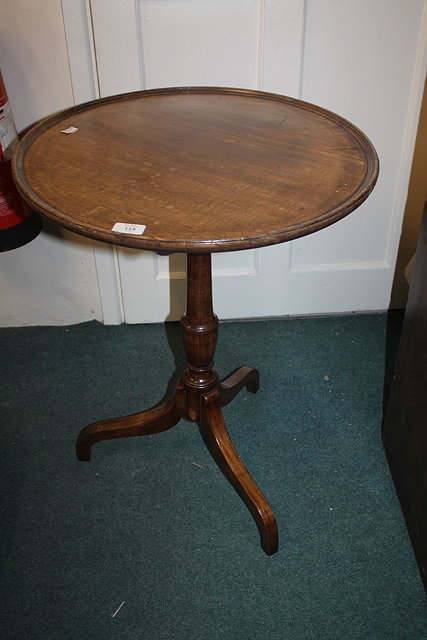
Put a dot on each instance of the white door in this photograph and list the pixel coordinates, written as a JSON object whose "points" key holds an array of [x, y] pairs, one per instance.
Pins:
{"points": [[364, 60]]}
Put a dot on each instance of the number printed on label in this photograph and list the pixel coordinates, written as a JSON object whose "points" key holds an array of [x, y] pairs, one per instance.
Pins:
{"points": [[133, 229]]}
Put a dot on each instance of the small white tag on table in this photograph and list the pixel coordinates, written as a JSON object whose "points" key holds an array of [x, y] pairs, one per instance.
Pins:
{"points": [[70, 130], [133, 229]]}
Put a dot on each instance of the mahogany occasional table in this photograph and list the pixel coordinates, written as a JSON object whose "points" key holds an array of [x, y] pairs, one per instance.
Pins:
{"points": [[196, 170]]}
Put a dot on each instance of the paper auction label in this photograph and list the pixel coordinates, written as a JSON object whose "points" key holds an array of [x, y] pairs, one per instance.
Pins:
{"points": [[133, 229]]}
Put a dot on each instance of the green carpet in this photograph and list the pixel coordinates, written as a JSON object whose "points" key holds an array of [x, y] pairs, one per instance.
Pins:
{"points": [[152, 523]]}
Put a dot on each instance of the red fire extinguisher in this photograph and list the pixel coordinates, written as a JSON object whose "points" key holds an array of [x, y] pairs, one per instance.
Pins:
{"points": [[18, 223]]}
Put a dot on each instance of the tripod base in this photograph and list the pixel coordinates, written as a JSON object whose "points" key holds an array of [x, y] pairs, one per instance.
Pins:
{"points": [[215, 436], [198, 397]]}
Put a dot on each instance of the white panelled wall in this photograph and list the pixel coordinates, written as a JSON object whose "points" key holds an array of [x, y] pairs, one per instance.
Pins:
{"points": [[52, 280], [364, 59]]}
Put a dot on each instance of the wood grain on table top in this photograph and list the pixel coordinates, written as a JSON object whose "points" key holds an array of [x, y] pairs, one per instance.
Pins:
{"points": [[203, 169]]}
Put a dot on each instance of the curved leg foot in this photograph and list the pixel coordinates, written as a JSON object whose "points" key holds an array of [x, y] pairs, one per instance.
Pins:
{"points": [[155, 420], [221, 447], [231, 386]]}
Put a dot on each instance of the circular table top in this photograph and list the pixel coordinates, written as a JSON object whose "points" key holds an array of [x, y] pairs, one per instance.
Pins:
{"points": [[195, 169]]}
